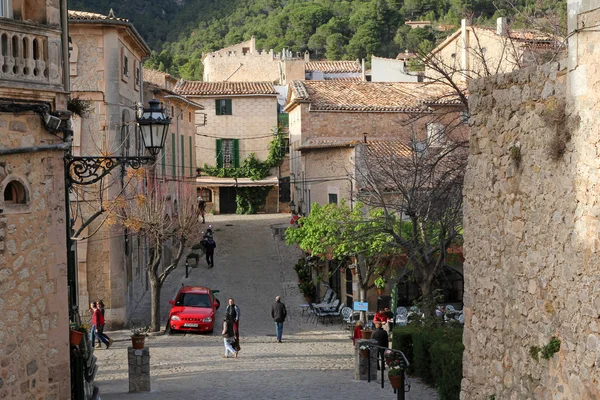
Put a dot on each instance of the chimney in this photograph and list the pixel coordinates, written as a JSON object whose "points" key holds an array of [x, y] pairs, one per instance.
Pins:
{"points": [[306, 56], [252, 45], [365, 137], [502, 26], [364, 76]]}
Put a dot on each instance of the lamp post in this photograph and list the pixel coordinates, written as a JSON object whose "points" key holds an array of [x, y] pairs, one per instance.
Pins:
{"points": [[153, 125], [292, 207]]}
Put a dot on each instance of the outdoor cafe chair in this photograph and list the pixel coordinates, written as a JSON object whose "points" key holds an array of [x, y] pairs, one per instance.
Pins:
{"points": [[401, 316], [346, 314]]}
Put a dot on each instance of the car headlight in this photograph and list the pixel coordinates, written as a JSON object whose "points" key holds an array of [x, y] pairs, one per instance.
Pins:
{"points": [[209, 319], [175, 318]]}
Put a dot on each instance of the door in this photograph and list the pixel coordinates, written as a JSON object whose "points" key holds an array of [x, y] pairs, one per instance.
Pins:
{"points": [[227, 202]]}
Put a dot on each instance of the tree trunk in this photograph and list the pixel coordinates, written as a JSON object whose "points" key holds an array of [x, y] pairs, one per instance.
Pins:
{"points": [[427, 300], [155, 287]]}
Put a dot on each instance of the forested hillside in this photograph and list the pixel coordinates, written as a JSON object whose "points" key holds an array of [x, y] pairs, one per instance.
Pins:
{"points": [[181, 30]]}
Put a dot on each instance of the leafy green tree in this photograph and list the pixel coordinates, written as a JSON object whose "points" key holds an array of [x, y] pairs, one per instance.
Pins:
{"points": [[335, 46], [342, 232]]}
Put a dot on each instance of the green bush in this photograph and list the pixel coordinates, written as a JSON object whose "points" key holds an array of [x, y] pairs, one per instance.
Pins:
{"points": [[402, 339], [419, 345], [422, 353], [446, 367]]}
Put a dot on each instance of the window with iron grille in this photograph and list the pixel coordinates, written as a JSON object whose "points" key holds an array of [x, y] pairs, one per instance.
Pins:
{"points": [[227, 152]]}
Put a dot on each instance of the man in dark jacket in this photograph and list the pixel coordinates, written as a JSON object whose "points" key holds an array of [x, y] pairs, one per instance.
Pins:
{"points": [[278, 313], [209, 245], [381, 337]]}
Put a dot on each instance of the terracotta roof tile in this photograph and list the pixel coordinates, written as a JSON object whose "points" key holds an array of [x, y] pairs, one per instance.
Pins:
{"points": [[88, 16], [200, 88], [333, 66], [370, 96], [327, 143], [386, 148], [526, 35], [344, 78]]}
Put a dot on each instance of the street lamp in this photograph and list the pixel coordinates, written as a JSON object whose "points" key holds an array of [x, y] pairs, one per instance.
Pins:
{"points": [[153, 126], [292, 207], [83, 170]]}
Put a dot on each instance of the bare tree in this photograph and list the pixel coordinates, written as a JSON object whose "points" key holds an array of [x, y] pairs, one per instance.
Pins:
{"points": [[149, 214]]}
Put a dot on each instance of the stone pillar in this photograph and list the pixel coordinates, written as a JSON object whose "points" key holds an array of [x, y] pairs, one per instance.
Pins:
{"points": [[361, 365], [139, 369]]}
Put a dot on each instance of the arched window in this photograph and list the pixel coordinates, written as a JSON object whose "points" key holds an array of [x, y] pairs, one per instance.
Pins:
{"points": [[14, 193]]}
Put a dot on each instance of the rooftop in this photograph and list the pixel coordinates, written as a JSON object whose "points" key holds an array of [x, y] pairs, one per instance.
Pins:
{"points": [[350, 96], [199, 88], [88, 16], [333, 66]]}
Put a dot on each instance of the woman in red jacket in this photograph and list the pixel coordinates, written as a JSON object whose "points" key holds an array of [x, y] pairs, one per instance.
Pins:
{"points": [[97, 322], [356, 334]]}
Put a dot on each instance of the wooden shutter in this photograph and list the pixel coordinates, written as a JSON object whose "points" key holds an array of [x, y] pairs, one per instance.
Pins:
{"points": [[191, 157], [173, 158], [219, 153], [236, 153], [218, 106], [182, 155], [228, 107]]}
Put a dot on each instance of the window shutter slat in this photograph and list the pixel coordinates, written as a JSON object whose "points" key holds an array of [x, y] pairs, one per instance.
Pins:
{"points": [[219, 153], [236, 153]]}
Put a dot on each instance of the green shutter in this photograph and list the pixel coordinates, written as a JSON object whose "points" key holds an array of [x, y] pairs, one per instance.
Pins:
{"points": [[218, 106], [228, 107], [182, 155], [219, 154], [236, 153], [173, 159], [191, 157]]}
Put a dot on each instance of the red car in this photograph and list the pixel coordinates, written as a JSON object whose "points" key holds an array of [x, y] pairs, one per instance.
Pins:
{"points": [[193, 310]]}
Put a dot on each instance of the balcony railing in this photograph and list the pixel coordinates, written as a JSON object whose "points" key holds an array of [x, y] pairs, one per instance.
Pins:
{"points": [[29, 53]]}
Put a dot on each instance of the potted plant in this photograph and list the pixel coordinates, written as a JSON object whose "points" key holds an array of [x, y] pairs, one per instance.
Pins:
{"points": [[380, 284], [76, 333], [138, 336], [364, 351], [366, 333], [308, 289], [395, 371]]}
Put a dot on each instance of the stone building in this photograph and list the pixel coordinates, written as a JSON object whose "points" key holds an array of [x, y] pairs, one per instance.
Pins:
{"points": [[34, 300], [241, 117], [243, 62], [392, 70], [532, 227], [337, 127], [476, 51], [105, 69], [176, 167]]}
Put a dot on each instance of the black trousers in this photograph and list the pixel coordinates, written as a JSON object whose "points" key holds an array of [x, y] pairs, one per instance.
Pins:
{"points": [[210, 259]]}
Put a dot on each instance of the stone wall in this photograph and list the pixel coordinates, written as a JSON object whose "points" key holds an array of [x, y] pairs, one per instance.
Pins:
{"points": [[239, 67], [34, 347], [531, 236]]}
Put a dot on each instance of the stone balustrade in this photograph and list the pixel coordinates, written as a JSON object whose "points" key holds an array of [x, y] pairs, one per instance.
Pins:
{"points": [[29, 53]]}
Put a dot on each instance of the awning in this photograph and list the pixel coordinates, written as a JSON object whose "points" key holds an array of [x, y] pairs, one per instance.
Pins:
{"points": [[240, 182]]}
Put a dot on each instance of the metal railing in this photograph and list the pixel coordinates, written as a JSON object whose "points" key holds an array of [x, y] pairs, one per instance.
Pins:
{"points": [[396, 355]]}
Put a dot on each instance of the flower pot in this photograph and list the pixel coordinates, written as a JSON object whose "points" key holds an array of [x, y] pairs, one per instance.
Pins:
{"points": [[379, 292], [75, 337], [309, 299], [396, 381], [364, 353], [366, 333], [137, 341]]}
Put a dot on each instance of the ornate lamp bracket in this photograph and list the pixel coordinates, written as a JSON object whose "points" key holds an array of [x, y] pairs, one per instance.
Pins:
{"points": [[89, 170]]}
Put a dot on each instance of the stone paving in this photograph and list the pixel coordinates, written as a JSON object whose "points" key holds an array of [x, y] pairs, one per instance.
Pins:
{"points": [[315, 361]]}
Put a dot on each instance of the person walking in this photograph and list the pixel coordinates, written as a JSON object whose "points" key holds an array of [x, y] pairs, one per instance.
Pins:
{"points": [[228, 337], [201, 207], [97, 321], [210, 246], [382, 338], [278, 313], [233, 311], [101, 333]]}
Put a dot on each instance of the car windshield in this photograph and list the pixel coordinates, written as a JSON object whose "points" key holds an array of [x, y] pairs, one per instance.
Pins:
{"points": [[193, 300]]}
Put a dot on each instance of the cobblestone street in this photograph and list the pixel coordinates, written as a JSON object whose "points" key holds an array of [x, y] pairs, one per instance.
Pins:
{"points": [[315, 361]]}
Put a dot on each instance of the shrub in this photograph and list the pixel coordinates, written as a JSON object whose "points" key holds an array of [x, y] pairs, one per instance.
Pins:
{"points": [[422, 353], [403, 341], [446, 367]]}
